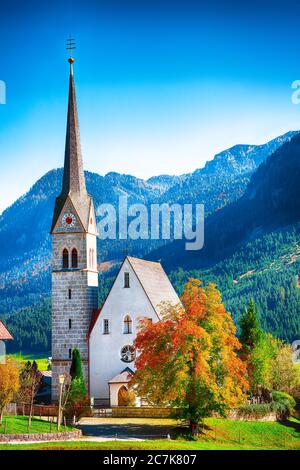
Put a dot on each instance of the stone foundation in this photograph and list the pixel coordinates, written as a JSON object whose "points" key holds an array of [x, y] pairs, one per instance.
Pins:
{"points": [[49, 436]]}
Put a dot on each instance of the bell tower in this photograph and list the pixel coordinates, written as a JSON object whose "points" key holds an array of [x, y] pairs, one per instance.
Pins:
{"points": [[74, 255]]}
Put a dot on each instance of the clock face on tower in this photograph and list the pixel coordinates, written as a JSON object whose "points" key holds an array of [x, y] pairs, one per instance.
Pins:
{"points": [[68, 220]]}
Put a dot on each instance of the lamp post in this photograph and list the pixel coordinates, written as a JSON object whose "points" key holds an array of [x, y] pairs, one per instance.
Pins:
{"points": [[61, 379]]}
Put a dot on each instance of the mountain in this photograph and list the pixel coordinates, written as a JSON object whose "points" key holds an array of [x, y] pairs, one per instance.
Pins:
{"points": [[25, 249], [271, 201], [252, 246], [224, 179]]}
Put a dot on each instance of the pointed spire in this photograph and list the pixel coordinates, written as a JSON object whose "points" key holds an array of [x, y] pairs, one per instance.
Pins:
{"points": [[73, 187], [73, 180]]}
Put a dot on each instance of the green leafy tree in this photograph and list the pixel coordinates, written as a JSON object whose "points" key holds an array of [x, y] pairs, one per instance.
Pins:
{"points": [[285, 374], [30, 382], [261, 362]]}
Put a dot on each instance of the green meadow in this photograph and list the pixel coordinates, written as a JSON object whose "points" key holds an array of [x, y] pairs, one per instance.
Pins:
{"points": [[218, 434]]}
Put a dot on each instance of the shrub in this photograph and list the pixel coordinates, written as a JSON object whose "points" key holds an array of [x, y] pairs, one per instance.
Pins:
{"points": [[295, 392], [79, 408], [284, 399], [283, 405], [254, 411], [78, 403]]}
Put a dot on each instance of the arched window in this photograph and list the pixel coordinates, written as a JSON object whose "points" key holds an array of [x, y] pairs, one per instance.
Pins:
{"points": [[127, 325], [74, 258], [65, 258]]}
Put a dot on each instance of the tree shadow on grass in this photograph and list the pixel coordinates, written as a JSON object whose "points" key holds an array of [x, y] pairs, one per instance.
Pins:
{"points": [[291, 424], [128, 431]]}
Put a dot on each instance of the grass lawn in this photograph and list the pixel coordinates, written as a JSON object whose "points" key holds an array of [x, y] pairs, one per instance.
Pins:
{"points": [[40, 358], [19, 425], [219, 434]]}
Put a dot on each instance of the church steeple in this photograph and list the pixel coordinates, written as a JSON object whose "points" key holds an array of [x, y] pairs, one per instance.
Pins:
{"points": [[74, 256], [73, 180], [73, 186]]}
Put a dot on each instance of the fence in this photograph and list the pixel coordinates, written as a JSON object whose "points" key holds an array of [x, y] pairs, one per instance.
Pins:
{"points": [[38, 410]]}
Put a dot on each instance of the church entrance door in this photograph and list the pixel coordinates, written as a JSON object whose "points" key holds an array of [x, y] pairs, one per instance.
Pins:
{"points": [[122, 396]]}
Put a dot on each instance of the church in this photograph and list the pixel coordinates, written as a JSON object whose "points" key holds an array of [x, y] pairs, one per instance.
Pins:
{"points": [[104, 336]]}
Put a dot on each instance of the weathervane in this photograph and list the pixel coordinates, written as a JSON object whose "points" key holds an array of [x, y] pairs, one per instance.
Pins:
{"points": [[70, 47]]}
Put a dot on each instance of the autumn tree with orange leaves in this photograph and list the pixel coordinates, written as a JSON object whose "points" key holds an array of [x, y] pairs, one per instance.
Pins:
{"points": [[9, 384], [189, 359]]}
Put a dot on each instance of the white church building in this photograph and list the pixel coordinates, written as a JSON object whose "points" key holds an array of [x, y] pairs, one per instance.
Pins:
{"points": [[138, 292], [105, 335]]}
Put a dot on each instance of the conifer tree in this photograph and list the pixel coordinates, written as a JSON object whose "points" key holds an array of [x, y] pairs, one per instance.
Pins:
{"points": [[250, 327], [77, 386], [76, 366]]}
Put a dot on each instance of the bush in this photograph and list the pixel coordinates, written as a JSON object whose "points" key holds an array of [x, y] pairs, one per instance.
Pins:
{"points": [[79, 408], [285, 400], [254, 411], [283, 405], [78, 403], [295, 392]]}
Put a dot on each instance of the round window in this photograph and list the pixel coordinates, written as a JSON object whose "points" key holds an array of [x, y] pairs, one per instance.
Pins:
{"points": [[128, 353]]}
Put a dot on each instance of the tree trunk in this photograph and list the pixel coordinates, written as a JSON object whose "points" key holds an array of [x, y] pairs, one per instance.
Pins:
{"points": [[194, 427], [1, 415], [31, 406]]}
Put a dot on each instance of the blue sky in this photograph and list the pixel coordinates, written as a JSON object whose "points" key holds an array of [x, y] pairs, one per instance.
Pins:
{"points": [[161, 86]]}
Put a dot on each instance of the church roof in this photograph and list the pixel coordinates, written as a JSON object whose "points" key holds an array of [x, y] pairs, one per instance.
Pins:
{"points": [[155, 282], [4, 333], [123, 377], [73, 180]]}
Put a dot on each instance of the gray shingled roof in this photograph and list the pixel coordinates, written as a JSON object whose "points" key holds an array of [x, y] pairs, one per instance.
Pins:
{"points": [[155, 282]]}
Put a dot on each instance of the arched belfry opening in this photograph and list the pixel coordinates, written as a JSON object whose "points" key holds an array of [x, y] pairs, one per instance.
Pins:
{"points": [[65, 258], [74, 258]]}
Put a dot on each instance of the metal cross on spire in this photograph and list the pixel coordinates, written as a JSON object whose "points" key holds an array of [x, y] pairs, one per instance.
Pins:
{"points": [[70, 45]]}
